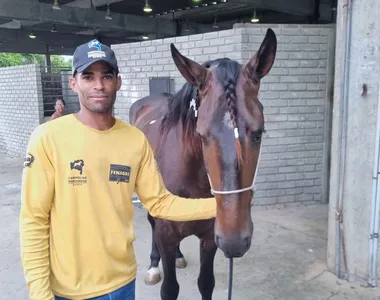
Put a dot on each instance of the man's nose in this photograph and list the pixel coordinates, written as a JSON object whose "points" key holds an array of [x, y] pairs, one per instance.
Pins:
{"points": [[99, 84]]}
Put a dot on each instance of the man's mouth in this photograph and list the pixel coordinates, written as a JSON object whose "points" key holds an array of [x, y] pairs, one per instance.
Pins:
{"points": [[99, 97]]}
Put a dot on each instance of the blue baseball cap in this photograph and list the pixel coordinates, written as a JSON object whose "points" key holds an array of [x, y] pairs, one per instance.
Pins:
{"points": [[93, 51]]}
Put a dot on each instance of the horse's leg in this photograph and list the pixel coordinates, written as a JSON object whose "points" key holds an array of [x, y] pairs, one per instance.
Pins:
{"points": [[167, 244], [153, 276], [206, 279], [180, 261]]}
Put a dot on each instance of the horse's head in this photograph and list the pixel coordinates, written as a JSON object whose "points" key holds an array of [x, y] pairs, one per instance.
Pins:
{"points": [[230, 122]]}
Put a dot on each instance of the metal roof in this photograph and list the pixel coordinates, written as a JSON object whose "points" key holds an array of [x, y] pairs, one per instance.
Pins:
{"points": [[59, 31]]}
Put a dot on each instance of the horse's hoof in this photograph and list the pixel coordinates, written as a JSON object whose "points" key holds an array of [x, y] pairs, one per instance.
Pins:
{"points": [[152, 279], [153, 276], [180, 263]]}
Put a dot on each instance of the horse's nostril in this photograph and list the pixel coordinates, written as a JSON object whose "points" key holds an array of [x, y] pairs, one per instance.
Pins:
{"points": [[247, 242]]}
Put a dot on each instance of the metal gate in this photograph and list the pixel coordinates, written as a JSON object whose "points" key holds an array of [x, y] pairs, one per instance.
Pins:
{"points": [[55, 85]]}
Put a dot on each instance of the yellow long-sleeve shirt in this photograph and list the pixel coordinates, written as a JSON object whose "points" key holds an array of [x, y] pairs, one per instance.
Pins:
{"points": [[76, 219]]}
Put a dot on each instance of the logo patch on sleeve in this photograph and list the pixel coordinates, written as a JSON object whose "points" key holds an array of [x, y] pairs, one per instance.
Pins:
{"points": [[119, 173], [28, 160]]}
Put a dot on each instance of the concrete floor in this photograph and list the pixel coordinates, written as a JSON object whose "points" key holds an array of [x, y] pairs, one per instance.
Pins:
{"points": [[286, 260]]}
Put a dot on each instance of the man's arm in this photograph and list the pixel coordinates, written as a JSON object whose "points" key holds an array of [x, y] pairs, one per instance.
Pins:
{"points": [[160, 202], [53, 116], [37, 192]]}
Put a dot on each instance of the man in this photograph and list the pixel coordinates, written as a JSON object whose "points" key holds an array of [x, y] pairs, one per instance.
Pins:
{"points": [[59, 107], [79, 175]]}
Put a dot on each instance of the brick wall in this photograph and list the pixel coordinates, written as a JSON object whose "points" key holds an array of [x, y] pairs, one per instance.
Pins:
{"points": [[21, 106], [296, 96], [140, 61]]}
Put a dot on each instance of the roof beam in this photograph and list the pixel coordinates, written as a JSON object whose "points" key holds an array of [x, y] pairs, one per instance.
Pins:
{"points": [[294, 7], [34, 11], [26, 48], [97, 3], [43, 38], [87, 4]]}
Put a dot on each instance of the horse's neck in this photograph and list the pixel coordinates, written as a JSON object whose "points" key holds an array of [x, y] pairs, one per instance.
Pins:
{"points": [[190, 142]]}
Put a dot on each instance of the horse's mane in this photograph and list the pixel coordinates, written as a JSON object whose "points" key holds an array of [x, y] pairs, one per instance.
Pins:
{"points": [[179, 104], [227, 74]]}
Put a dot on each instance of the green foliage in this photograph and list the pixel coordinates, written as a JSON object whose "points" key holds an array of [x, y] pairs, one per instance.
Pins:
{"points": [[10, 59], [17, 59], [60, 62]]}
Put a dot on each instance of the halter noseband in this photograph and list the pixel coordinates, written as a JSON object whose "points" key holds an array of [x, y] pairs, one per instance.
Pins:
{"points": [[194, 103], [229, 192]]}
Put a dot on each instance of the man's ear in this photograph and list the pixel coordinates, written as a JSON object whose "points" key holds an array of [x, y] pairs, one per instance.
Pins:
{"points": [[119, 82], [73, 84]]}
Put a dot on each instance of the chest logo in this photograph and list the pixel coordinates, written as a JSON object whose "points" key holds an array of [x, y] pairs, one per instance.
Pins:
{"points": [[77, 165], [80, 179], [119, 173]]}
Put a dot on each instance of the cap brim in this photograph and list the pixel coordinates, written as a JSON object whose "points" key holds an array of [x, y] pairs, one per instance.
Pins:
{"points": [[85, 66]]}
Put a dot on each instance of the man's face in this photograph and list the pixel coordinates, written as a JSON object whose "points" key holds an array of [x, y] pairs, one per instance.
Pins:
{"points": [[96, 87]]}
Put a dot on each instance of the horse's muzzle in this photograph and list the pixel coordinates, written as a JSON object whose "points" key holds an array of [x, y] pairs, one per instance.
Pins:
{"points": [[234, 247]]}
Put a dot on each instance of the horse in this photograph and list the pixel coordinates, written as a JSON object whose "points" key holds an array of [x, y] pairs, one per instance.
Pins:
{"points": [[207, 141]]}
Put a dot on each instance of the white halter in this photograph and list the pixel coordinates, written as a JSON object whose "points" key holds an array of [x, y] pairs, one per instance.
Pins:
{"points": [[250, 188]]}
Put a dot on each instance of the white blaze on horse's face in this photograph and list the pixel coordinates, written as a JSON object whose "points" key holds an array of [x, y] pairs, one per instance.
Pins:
{"points": [[227, 120]]}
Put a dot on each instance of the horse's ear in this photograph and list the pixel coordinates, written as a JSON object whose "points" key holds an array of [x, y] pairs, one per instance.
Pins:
{"points": [[261, 63], [193, 72]]}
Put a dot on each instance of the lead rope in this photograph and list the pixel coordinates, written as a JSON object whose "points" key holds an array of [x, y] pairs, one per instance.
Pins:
{"points": [[230, 279]]}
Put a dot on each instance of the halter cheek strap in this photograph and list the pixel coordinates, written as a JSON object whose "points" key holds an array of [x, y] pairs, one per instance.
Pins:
{"points": [[229, 192]]}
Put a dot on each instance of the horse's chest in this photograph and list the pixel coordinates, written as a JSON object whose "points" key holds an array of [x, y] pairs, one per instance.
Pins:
{"points": [[180, 230]]}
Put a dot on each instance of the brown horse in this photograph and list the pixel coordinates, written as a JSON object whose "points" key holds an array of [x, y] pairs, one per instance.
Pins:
{"points": [[207, 140]]}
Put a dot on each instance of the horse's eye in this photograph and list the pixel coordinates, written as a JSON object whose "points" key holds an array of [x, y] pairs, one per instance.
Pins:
{"points": [[257, 137]]}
